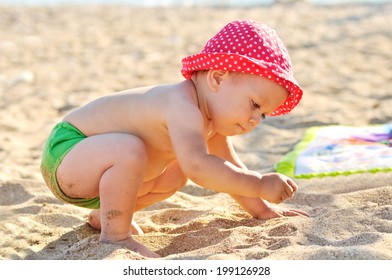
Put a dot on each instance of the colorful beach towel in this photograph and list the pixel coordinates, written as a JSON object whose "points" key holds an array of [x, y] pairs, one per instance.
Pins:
{"points": [[336, 150]]}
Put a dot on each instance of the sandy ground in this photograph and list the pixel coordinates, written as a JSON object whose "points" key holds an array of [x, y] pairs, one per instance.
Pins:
{"points": [[56, 59]]}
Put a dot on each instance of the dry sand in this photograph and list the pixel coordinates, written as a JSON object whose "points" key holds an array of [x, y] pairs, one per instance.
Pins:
{"points": [[55, 59]]}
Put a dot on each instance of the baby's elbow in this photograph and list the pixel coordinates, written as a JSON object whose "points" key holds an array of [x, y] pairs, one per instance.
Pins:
{"points": [[194, 171]]}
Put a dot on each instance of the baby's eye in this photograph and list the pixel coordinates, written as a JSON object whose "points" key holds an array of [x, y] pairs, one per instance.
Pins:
{"points": [[255, 105]]}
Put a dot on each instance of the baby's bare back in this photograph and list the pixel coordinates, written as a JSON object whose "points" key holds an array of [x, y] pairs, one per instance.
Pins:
{"points": [[141, 112], [127, 111]]}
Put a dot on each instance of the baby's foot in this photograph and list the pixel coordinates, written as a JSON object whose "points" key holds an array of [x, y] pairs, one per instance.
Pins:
{"points": [[134, 246], [94, 219]]}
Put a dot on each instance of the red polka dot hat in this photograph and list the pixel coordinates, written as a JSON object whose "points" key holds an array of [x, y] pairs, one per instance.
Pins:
{"points": [[249, 47]]}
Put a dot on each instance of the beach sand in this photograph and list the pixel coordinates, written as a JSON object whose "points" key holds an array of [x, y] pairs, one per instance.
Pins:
{"points": [[55, 59]]}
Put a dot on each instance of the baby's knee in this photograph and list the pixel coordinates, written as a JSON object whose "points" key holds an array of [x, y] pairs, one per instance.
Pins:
{"points": [[176, 184], [179, 177], [133, 151], [182, 180]]}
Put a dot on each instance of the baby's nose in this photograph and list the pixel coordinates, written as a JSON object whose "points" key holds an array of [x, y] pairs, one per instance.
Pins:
{"points": [[255, 120]]}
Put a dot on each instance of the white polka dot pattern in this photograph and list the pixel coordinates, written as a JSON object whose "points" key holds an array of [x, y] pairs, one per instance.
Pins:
{"points": [[251, 47]]}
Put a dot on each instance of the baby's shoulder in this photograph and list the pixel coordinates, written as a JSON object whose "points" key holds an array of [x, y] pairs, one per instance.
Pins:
{"points": [[176, 95]]}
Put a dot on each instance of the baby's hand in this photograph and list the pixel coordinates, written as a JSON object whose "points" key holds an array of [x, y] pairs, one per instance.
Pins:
{"points": [[276, 187]]}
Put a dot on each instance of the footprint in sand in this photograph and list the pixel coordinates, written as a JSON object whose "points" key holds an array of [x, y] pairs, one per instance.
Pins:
{"points": [[283, 230], [12, 194], [278, 233], [279, 243], [59, 220]]}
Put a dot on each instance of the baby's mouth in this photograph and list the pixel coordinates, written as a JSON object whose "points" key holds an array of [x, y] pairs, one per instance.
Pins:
{"points": [[243, 130]]}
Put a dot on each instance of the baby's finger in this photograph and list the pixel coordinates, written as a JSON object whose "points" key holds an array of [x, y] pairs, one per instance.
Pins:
{"points": [[292, 184], [289, 190]]}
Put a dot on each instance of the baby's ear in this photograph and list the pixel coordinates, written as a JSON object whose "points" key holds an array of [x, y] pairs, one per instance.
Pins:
{"points": [[215, 78]]}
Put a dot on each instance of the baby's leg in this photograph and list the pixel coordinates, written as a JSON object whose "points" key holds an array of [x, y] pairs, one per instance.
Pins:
{"points": [[94, 220], [112, 167], [151, 191]]}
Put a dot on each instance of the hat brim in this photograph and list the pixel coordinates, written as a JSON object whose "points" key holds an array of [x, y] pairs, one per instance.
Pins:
{"points": [[240, 63]]}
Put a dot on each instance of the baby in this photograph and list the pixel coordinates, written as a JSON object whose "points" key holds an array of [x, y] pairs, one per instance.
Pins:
{"points": [[126, 151]]}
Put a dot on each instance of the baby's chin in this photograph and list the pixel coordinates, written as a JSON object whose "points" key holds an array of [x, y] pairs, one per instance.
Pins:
{"points": [[237, 130]]}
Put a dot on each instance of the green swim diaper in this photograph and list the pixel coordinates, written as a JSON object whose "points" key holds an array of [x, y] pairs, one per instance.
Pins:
{"points": [[61, 140]]}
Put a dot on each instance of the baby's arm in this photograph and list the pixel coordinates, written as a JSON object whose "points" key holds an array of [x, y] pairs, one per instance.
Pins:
{"points": [[257, 207], [186, 129]]}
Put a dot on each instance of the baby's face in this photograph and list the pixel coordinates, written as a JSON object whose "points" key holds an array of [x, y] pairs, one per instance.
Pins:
{"points": [[241, 102]]}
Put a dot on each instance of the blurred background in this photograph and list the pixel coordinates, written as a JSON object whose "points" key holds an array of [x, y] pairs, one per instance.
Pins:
{"points": [[160, 3], [56, 56]]}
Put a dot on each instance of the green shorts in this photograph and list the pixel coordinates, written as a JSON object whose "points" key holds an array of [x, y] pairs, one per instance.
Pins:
{"points": [[62, 139]]}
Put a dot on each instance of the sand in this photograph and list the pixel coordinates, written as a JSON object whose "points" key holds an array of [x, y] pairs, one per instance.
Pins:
{"points": [[56, 59]]}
